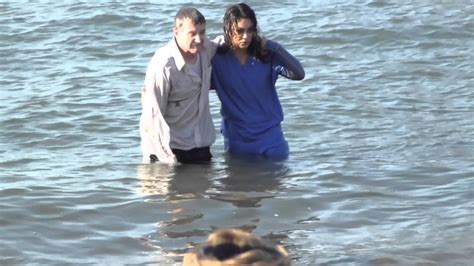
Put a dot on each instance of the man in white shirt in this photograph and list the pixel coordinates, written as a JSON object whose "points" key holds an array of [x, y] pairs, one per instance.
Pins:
{"points": [[176, 123]]}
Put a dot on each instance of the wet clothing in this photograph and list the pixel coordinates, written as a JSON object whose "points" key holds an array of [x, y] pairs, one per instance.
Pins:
{"points": [[175, 104], [250, 108]]}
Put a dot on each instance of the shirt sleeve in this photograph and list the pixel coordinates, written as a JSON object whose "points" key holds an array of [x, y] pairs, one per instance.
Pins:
{"points": [[157, 86], [285, 63], [154, 131]]}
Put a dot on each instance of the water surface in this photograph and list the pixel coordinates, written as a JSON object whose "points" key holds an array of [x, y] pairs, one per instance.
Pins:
{"points": [[381, 133]]}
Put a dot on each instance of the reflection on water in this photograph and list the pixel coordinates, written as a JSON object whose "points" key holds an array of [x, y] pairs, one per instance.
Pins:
{"points": [[241, 181], [178, 188], [192, 196], [175, 182], [153, 179], [247, 181]]}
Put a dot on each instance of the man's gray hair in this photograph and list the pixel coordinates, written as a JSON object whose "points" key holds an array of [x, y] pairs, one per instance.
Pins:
{"points": [[191, 13]]}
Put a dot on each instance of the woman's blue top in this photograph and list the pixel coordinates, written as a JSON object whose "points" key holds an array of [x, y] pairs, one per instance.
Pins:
{"points": [[250, 108]]}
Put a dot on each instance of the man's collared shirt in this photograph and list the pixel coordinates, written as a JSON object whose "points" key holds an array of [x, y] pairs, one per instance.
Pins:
{"points": [[182, 98]]}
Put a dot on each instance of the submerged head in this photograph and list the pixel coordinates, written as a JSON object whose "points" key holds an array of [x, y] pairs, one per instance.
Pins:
{"points": [[237, 247]]}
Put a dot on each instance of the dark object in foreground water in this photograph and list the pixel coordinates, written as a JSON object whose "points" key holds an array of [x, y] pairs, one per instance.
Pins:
{"points": [[236, 247]]}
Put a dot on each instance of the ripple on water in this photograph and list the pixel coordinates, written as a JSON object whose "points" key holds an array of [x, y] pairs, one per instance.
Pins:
{"points": [[380, 133]]}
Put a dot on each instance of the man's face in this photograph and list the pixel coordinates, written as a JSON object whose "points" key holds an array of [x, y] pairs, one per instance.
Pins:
{"points": [[190, 37]]}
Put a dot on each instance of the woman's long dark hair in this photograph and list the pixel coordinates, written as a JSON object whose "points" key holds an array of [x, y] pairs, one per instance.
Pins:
{"points": [[232, 15]]}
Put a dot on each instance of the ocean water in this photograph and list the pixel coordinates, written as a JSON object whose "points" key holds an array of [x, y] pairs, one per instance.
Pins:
{"points": [[381, 133]]}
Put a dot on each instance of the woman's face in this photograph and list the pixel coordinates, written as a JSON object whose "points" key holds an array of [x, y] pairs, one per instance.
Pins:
{"points": [[242, 33]]}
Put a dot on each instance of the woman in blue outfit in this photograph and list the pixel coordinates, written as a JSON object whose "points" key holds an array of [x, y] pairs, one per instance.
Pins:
{"points": [[245, 70]]}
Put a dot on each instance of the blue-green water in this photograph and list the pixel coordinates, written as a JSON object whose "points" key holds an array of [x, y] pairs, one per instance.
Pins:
{"points": [[381, 133]]}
